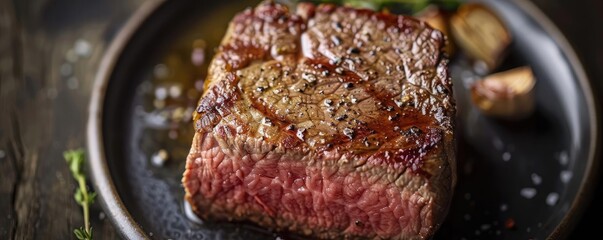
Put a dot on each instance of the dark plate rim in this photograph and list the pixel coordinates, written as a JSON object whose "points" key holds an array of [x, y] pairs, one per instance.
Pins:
{"points": [[127, 226], [99, 170]]}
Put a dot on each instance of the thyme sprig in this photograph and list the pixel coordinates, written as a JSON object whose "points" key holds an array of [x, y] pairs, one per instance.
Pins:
{"points": [[76, 160]]}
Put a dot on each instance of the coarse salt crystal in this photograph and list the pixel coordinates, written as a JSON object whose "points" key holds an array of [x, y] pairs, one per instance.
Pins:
{"points": [[503, 207], [82, 48], [528, 193], [536, 179], [563, 158], [160, 158], [552, 199], [506, 156], [565, 176], [175, 91], [161, 93]]}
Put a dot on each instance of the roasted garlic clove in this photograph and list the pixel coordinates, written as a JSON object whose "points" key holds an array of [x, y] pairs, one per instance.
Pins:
{"points": [[438, 19], [480, 33], [507, 95]]}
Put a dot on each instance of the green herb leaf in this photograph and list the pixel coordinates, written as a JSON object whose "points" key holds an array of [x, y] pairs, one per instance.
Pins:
{"points": [[91, 197], [82, 234], [78, 234], [75, 160], [79, 196]]}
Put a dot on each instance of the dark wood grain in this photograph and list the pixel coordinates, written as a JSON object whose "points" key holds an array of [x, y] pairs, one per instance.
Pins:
{"points": [[42, 114], [44, 110], [41, 202], [9, 143]]}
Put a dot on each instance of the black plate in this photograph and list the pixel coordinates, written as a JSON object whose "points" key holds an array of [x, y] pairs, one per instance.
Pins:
{"points": [[537, 172]]}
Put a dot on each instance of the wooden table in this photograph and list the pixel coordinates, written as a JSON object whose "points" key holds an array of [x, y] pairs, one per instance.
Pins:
{"points": [[49, 52]]}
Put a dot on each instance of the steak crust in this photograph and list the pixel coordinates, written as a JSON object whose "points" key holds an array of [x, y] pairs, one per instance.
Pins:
{"points": [[330, 122]]}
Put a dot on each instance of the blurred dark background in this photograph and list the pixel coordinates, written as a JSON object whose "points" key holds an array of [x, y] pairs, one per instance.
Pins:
{"points": [[49, 52]]}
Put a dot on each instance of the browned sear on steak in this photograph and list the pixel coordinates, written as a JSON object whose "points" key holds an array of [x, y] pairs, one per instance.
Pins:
{"points": [[331, 122]]}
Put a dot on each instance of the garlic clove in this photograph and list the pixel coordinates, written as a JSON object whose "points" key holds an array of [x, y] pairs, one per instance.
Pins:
{"points": [[507, 94], [480, 33]]}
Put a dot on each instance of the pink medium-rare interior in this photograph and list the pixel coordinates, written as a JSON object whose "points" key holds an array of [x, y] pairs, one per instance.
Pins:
{"points": [[290, 190]]}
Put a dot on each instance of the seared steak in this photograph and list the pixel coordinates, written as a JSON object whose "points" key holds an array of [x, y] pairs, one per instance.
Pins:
{"points": [[332, 122]]}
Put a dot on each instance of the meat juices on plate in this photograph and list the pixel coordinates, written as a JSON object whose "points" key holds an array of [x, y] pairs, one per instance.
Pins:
{"points": [[331, 122]]}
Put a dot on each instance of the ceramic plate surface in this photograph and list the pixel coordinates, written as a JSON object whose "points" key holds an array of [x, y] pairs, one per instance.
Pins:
{"points": [[537, 172]]}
